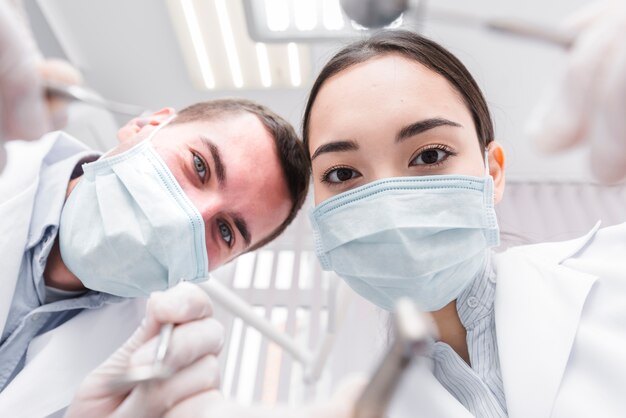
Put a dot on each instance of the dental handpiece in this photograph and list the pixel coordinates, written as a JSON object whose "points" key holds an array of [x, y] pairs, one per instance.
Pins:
{"points": [[413, 332], [377, 14], [71, 92], [509, 26]]}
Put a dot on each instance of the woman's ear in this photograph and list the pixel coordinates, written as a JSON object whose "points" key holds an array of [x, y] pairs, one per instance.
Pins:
{"points": [[136, 125], [497, 160]]}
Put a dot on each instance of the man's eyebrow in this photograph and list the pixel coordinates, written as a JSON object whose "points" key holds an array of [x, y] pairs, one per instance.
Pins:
{"points": [[423, 126], [242, 226], [220, 169], [337, 146]]}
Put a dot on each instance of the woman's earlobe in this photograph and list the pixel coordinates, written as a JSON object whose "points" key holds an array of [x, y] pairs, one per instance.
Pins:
{"points": [[498, 154], [497, 163]]}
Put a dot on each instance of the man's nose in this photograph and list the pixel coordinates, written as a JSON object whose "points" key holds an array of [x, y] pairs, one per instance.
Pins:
{"points": [[209, 207]]}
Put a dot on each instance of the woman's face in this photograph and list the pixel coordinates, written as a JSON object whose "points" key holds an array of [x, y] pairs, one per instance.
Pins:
{"points": [[392, 117]]}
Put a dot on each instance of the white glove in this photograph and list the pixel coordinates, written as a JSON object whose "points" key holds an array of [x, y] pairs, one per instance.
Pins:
{"points": [[24, 111], [22, 106], [589, 102], [212, 405], [196, 340]]}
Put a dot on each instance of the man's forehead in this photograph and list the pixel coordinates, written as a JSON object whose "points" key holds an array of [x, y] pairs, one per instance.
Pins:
{"points": [[234, 123]]}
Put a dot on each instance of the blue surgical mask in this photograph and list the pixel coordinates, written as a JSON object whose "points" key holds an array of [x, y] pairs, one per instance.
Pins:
{"points": [[422, 237], [128, 228]]}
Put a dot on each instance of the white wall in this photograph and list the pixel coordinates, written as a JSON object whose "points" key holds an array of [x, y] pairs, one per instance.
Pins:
{"points": [[128, 52]]}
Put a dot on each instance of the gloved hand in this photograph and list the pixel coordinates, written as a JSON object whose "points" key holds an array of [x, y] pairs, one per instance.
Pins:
{"points": [[212, 404], [22, 106], [63, 72], [196, 340], [24, 112], [589, 102]]}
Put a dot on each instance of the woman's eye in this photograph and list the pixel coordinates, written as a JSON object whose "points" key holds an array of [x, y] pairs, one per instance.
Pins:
{"points": [[430, 157], [200, 167], [339, 175], [226, 233]]}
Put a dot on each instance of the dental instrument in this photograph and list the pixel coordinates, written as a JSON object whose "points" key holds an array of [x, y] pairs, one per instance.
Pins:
{"points": [[154, 372], [313, 362], [377, 14], [413, 333], [82, 94]]}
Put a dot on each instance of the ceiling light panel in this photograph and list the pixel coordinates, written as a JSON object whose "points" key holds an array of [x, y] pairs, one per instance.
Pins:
{"points": [[303, 21], [220, 55]]}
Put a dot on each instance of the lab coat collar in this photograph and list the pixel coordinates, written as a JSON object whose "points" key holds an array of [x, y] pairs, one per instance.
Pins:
{"points": [[18, 187], [538, 308]]}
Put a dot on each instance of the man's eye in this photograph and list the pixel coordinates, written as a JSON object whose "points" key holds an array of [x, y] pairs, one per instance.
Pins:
{"points": [[339, 175], [200, 167], [431, 156], [226, 233]]}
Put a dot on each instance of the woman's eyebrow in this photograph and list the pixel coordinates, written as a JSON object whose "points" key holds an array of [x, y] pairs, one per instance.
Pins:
{"points": [[422, 126], [337, 146]]}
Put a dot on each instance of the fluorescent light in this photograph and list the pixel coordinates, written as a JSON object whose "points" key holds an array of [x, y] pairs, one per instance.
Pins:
{"points": [[333, 16], [243, 271], [294, 64], [284, 269], [229, 43], [263, 269], [277, 15], [232, 358], [305, 14], [264, 64], [249, 365], [198, 43]]}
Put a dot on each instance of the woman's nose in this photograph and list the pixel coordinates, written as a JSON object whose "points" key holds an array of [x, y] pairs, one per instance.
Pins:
{"points": [[385, 171]]}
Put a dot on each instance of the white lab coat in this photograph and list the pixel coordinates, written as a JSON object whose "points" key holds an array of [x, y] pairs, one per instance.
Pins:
{"points": [[58, 360], [561, 328]]}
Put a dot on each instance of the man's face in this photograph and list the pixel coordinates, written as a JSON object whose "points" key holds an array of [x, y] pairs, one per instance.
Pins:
{"points": [[229, 169]]}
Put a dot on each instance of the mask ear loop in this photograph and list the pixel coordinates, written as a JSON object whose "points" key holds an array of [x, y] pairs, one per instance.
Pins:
{"points": [[486, 162]]}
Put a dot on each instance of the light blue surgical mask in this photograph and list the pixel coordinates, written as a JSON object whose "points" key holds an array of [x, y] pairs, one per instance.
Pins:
{"points": [[128, 228], [422, 237]]}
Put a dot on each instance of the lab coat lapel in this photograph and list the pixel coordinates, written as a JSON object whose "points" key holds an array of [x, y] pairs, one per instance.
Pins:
{"points": [[14, 225], [18, 187], [538, 307]]}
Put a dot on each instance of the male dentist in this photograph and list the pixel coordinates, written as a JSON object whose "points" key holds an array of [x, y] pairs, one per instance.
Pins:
{"points": [[182, 194]]}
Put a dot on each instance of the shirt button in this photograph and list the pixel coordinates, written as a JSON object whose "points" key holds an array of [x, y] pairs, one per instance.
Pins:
{"points": [[492, 278], [472, 302]]}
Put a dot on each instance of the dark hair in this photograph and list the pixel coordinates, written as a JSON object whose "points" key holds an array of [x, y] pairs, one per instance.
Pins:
{"points": [[291, 152], [416, 48]]}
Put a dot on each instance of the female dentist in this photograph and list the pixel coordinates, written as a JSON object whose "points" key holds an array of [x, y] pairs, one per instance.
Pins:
{"points": [[406, 174]]}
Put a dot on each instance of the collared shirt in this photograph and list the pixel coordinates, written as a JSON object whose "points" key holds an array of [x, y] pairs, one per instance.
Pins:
{"points": [[479, 388], [34, 310]]}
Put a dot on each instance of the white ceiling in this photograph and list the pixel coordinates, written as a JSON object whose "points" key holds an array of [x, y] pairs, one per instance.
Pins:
{"points": [[128, 51]]}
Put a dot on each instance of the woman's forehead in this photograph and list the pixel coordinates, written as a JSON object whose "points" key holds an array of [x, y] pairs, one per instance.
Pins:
{"points": [[382, 89]]}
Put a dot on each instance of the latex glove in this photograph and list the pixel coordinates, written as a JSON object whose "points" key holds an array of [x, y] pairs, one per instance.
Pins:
{"points": [[24, 111], [213, 405], [588, 104], [63, 72], [195, 342], [22, 106]]}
